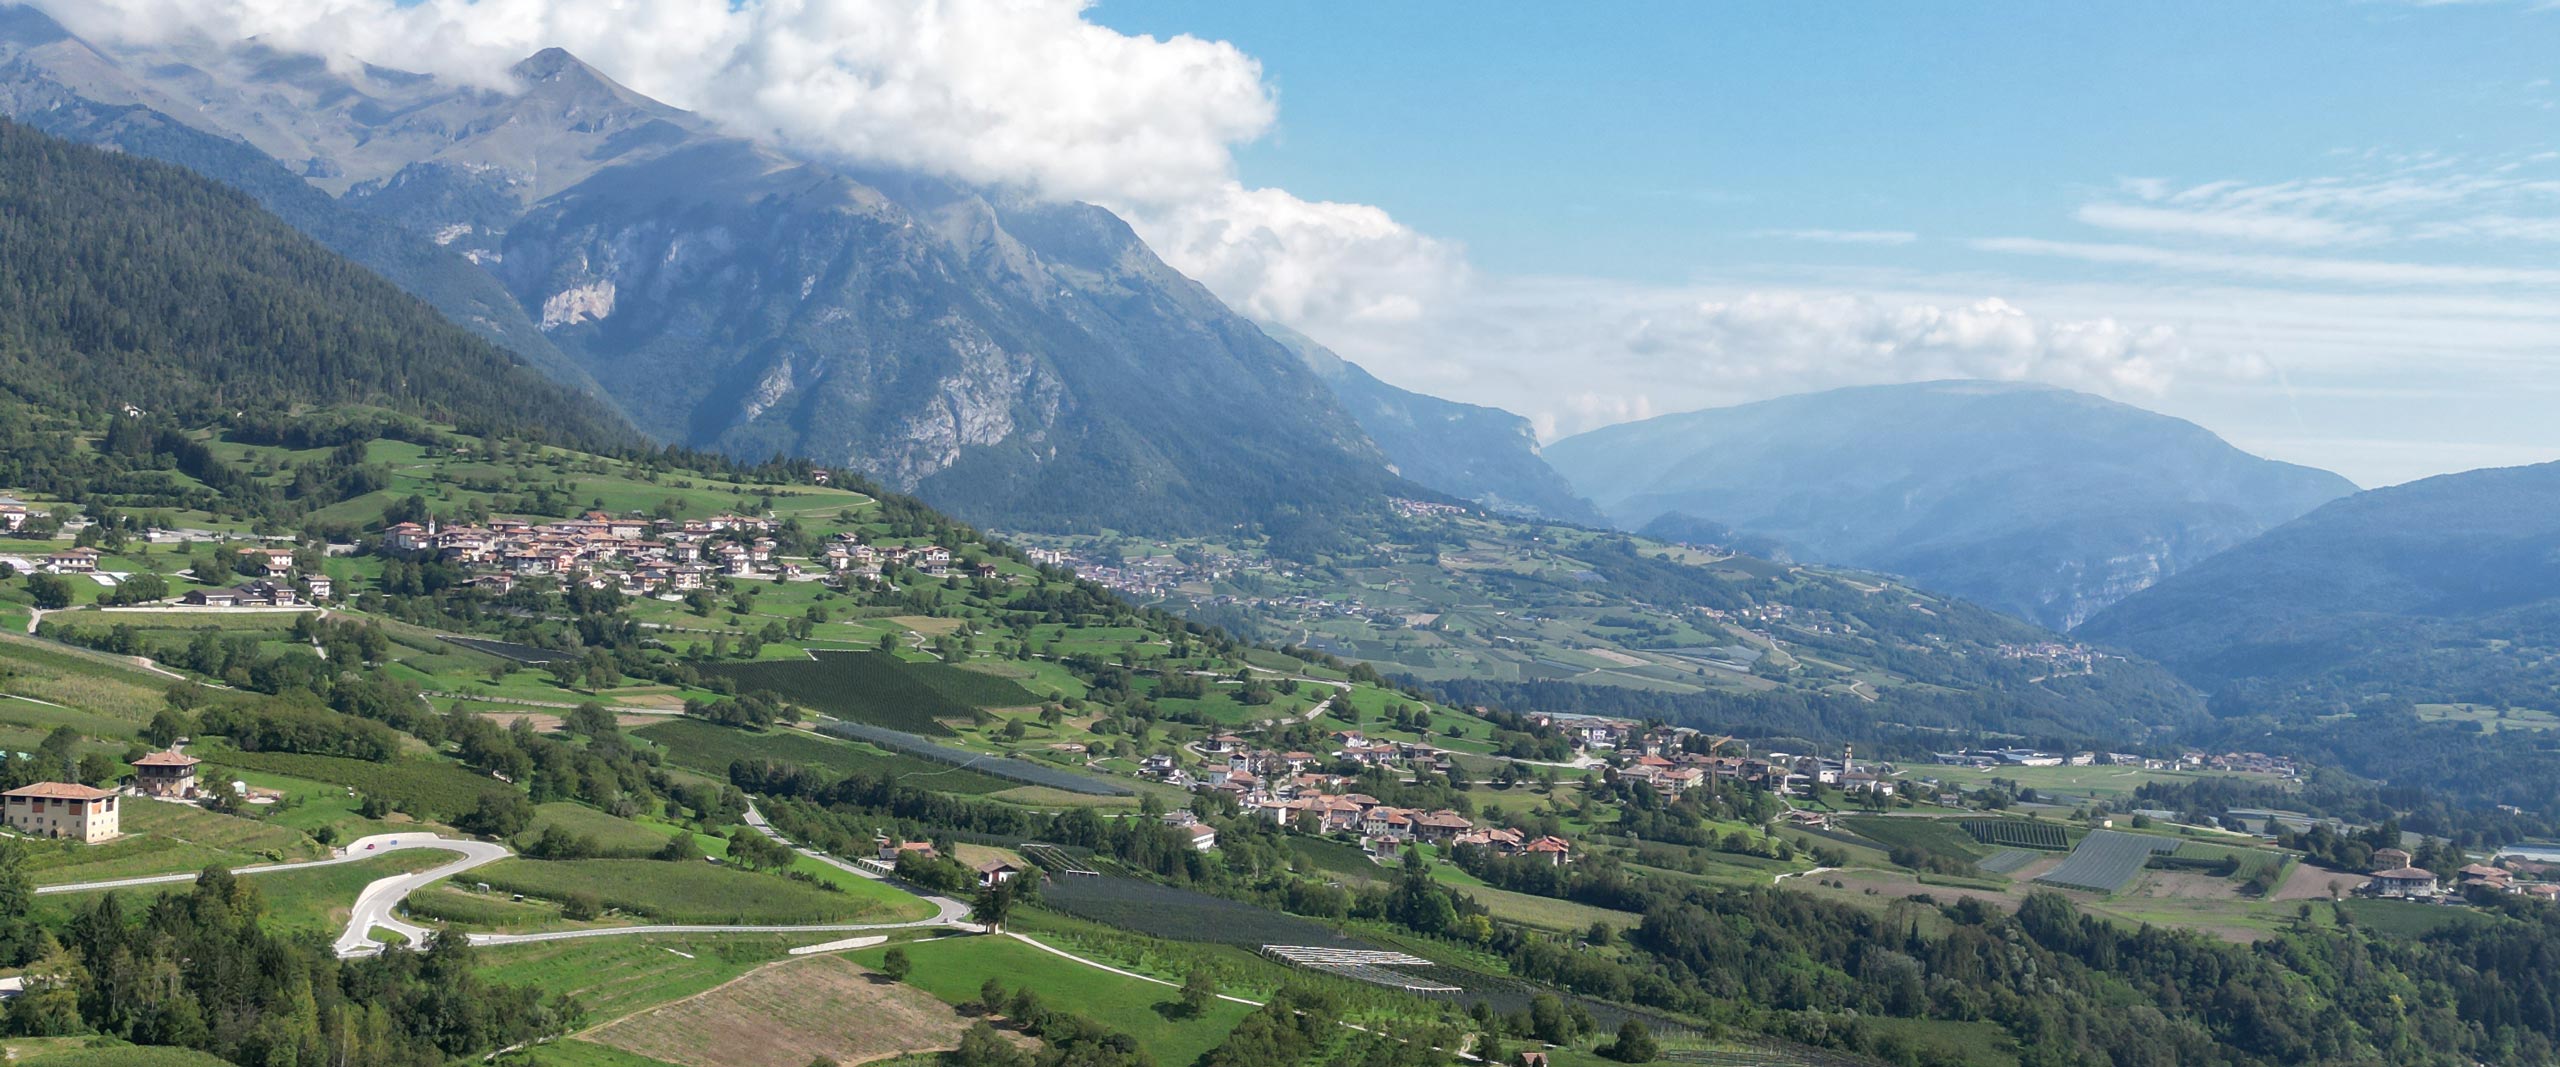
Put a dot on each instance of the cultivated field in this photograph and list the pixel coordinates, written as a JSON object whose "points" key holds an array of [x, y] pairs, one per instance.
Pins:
{"points": [[2019, 833], [695, 892], [952, 968], [1024, 771], [2093, 781], [789, 1014], [431, 788], [611, 836], [1183, 915], [877, 688], [2105, 861], [711, 748]]}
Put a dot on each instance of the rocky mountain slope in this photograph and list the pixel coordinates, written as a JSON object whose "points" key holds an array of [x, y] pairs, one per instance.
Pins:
{"points": [[1015, 361], [1486, 455], [2042, 502]]}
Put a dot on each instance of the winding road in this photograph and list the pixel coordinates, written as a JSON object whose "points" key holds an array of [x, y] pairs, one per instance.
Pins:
{"points": [[378, 904], [373, 907]]}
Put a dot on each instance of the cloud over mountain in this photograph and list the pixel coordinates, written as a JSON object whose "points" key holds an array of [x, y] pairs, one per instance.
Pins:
{"points": [[1030, 94], [1018, 93]]}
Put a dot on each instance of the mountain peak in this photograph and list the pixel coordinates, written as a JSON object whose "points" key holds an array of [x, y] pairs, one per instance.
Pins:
{"points": [[549, 63], [554, 76], [557, 65]]}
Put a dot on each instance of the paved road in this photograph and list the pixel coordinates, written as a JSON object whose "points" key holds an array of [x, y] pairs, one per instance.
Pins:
{"points": [[361, 849], [946, 911], [374, 906]]}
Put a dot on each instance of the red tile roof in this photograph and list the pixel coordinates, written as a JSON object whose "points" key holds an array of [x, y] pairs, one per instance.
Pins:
{"points": [[167, 759], [62, 791]]}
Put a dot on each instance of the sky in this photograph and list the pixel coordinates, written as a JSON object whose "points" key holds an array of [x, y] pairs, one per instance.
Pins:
{"points": [[2323, 230]]}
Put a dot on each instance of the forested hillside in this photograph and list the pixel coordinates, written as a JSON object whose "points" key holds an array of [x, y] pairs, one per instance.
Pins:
{"points": [[2407, 633], [126, 283]]}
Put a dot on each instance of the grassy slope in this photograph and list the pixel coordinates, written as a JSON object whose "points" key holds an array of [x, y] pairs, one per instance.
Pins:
{"points": [[953, 969], [701, 893]]}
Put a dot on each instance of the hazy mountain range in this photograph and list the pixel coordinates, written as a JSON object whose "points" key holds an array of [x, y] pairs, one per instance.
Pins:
{"points": [[1485, 455], [2446, 568], [2043, 502]]}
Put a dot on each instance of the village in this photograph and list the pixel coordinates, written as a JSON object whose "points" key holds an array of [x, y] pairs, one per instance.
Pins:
{"points": [[644, 557], [636, 556], [1311, 792]]}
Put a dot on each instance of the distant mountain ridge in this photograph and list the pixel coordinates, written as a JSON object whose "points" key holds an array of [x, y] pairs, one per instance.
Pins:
{"points": [[2476, 551], [1482, 454], [2043, 502], [1019, 362], [2410, 634]]}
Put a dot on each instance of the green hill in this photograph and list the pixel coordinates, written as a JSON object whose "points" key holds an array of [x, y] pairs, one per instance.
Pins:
{"points": [[129, 284], [2353, 630], [1557, 618]]}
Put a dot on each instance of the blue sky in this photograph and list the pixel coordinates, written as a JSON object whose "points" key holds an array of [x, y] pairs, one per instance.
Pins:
{"points": [[1651, 140], [2326, 231], [2369, 291]]}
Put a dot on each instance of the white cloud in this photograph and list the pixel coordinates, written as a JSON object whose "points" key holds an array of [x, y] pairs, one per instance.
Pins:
{"points": [[1025, 93], [1309, 264], [2406, 197], [1575, 354], [1846, 237], [2241, 225], [1028, 93], [2371, 272]]}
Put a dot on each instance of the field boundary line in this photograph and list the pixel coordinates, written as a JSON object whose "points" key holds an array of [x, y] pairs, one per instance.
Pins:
{"points": [[742, 976]]}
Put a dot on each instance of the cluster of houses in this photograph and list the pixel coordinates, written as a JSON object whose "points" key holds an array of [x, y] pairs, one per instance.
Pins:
{"points": [[88, 814], [1678, 772], [648, 556], [2395, 878], [280, 584], [1294, 789], [2062, 655], [1425, 509], [2244, 762], [989, 874]]}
